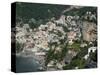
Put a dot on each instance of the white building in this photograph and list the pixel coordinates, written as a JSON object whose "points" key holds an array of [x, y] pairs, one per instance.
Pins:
{"points": [[71, 36], [93, 49], [40, 53]]}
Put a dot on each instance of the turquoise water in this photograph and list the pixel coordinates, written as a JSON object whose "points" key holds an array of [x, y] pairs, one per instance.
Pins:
{"points": [[26, 64]]}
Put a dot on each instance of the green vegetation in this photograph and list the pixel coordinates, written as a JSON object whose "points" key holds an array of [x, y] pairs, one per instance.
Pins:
{"points": [[93, 56], [51, 55], [19, 47], [82, 52], [39, 11], [75, 46], [79, 62], [33, 23], [81, 11]]}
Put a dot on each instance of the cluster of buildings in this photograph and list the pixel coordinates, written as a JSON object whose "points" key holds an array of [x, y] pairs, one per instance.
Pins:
{"points": [[38, 40]]}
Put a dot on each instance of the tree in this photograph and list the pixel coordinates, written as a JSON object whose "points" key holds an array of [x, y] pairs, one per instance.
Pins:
{"points": [[93, 56], [33, 23], [19, 47]]}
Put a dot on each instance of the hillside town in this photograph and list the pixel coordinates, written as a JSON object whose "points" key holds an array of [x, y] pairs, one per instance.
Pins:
{"points": [[69, 42]]}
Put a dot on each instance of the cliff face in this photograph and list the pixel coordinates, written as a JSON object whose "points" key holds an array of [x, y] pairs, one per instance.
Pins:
{"points": [[89, 31]]}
